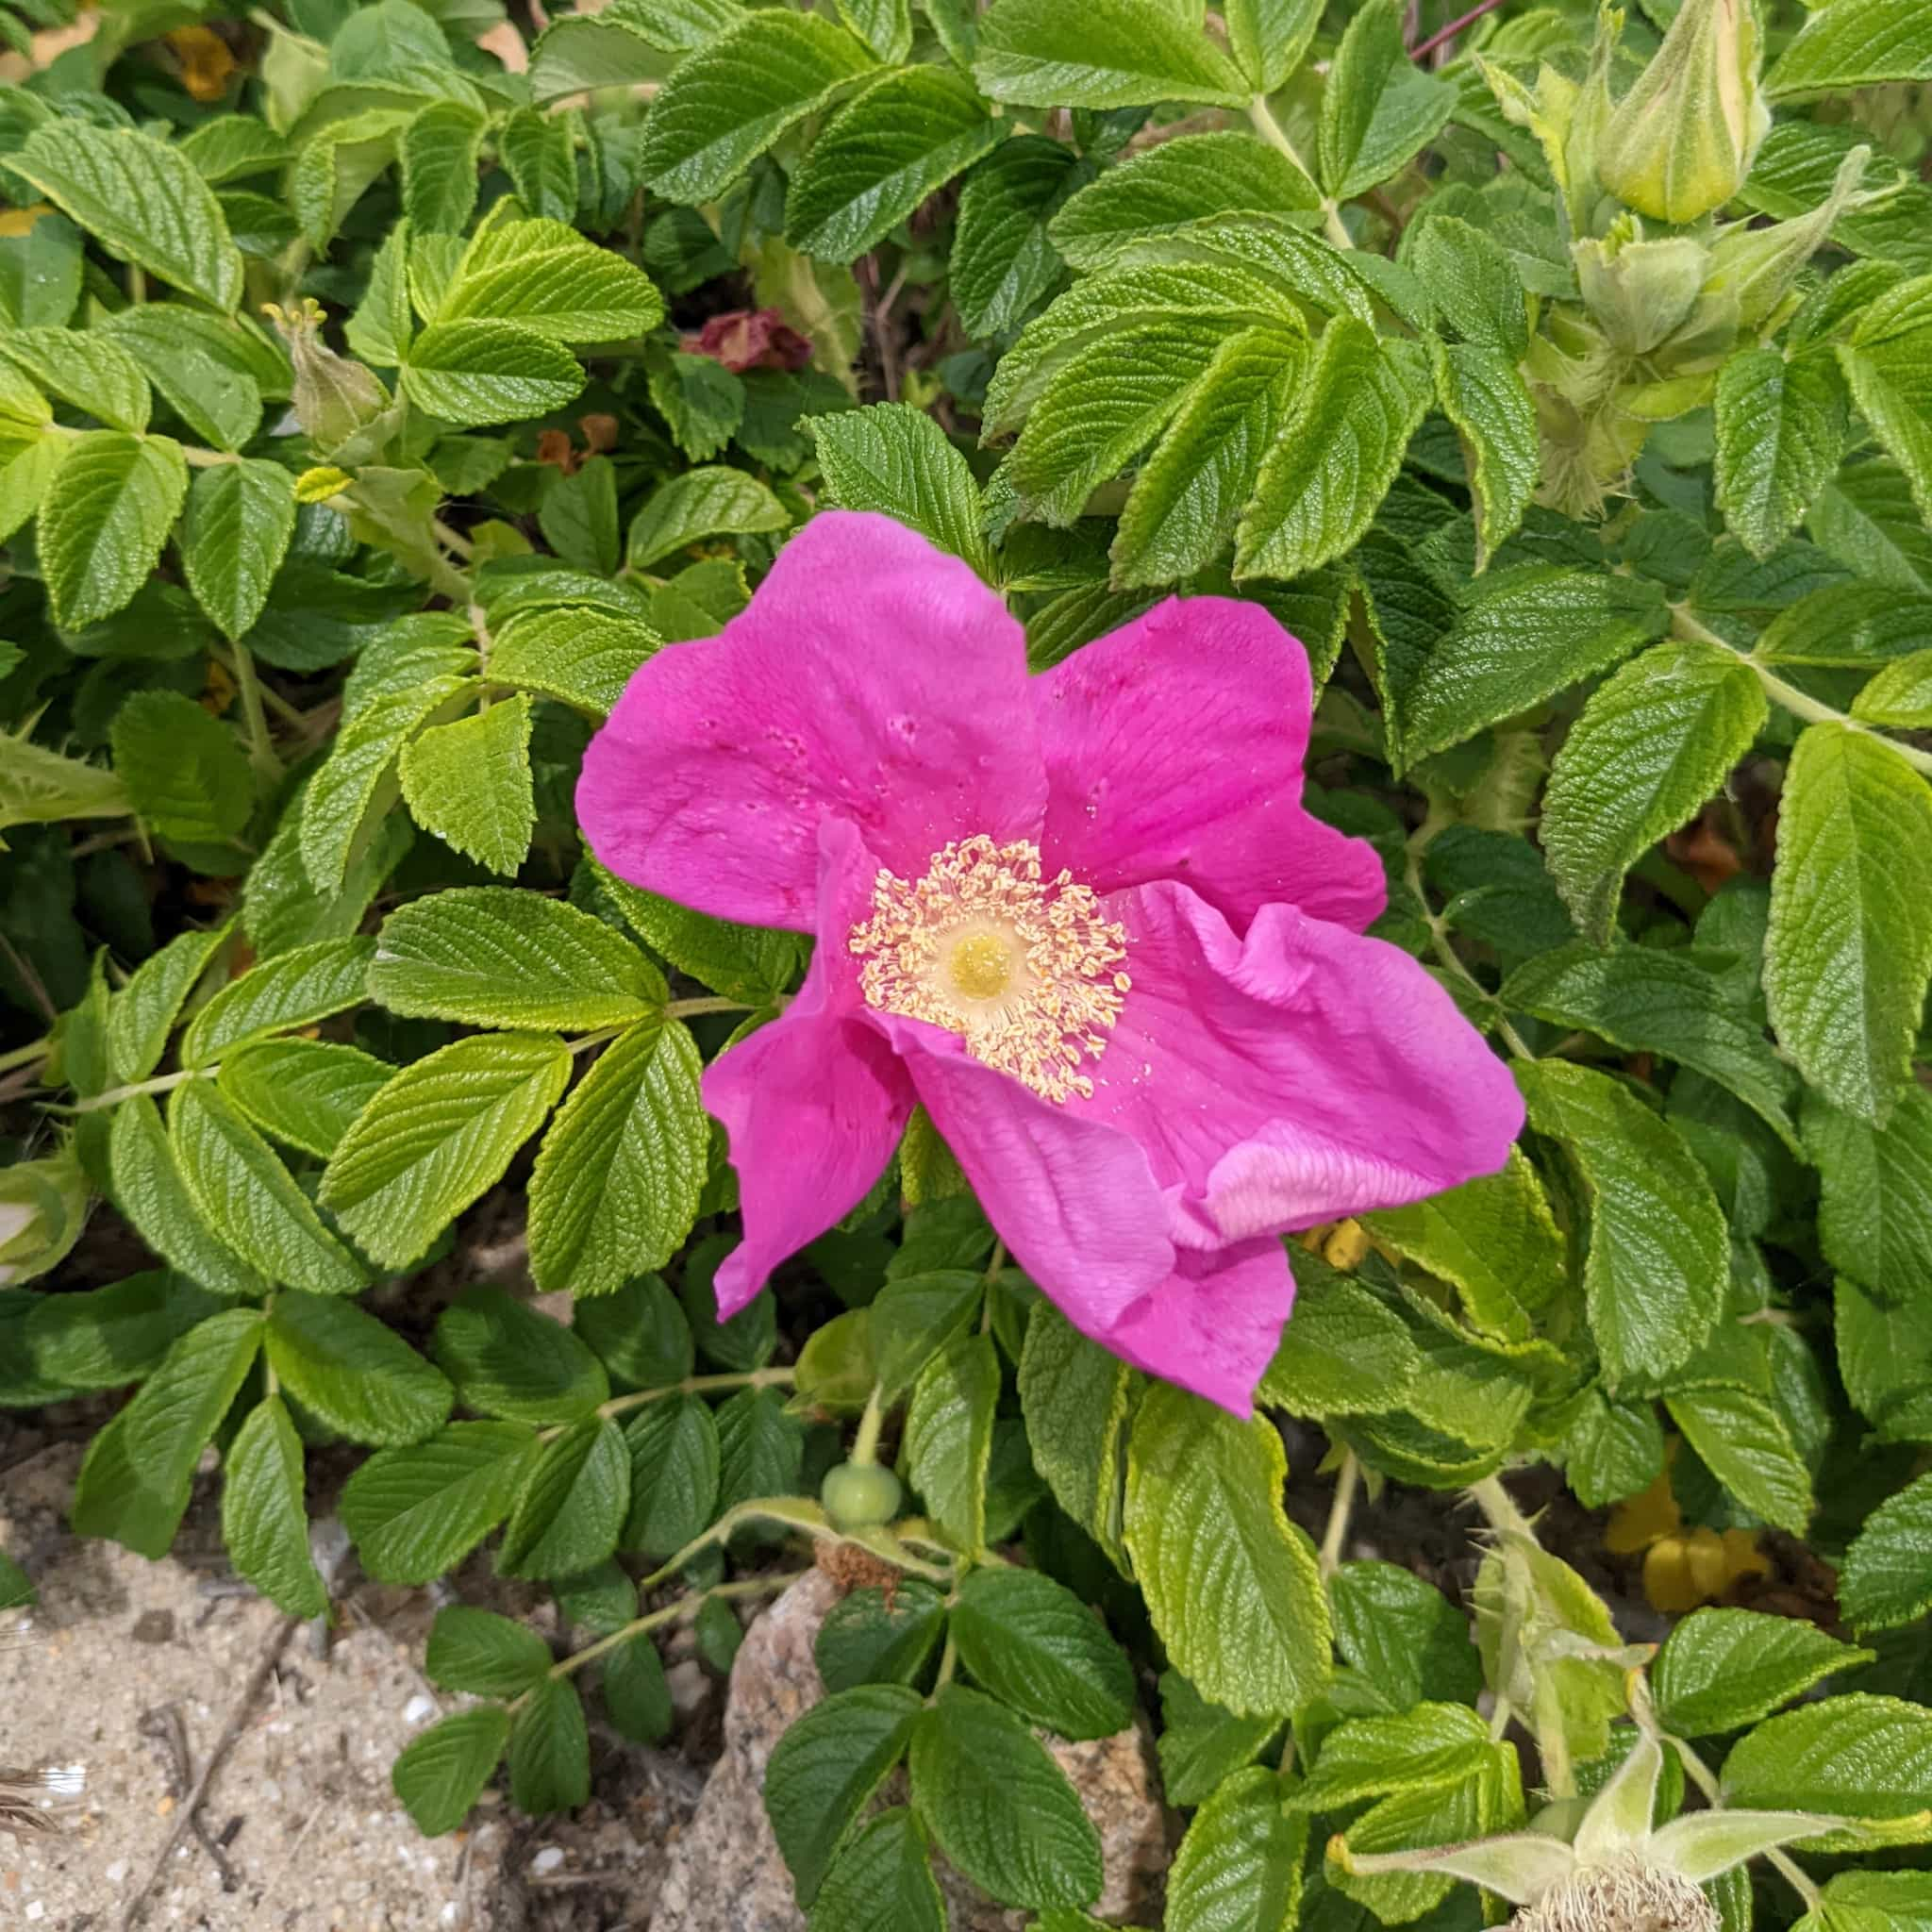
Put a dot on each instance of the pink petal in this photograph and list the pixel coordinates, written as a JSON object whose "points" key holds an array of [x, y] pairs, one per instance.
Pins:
{"points": [[1213, 1324], [1173, 750], [873, 679], [814, 1103], [1298, 1075], [1073, 1200]]}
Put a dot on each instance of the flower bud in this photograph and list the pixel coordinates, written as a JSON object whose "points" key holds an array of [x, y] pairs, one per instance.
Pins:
{"points": [[42, 1207], [1681, 141], [340, 405], [1638, 292], [1759, 265]]}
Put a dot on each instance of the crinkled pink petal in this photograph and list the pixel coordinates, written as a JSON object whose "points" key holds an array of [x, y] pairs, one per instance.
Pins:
{"points": [[1073, 1200], [1291, 1076], [1214, 1324], [873, 679], [1173, 749], [814, 1103]]}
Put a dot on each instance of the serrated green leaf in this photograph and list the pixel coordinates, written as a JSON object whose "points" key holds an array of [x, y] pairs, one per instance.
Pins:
{"points": [[1239, 1868], [142, 1014], [573, 1504], [1033, 1644], [872, 1638], [1857, 1755], [441, 1773], [948, 1439], [1231, 1584], [306, 1092], [544, 278], [236, 533], [210, 373], [1379, 109], [882, 1881], [635, 1693], [539, 155], [1003, 261], [416, 1513], [1075, 1397], [1722, 1670], [104, 519], [1483, 394], [1613, 1449], [294, 988], [439, 151], [1344, 1351], [149, 1191], [104, 1338], [550, 1750], [1659, 1261], [1201, 1745], [1886, 1577], [435, 1136], [896, 459], [477, 372], [1873, 1902], [1403, 1636], [1270, 38], [1747, 1443], [93, 371], [264, 1523], [38, 786], [584, 656], [1861, 43], [1652, 743], [1885, 1358], [1780, 432], [1113, 53], [1876, 1217], [825, 1770], [354, 1373], [140, 199], [468, 782], [713, 502], [485, 1654], [185, 773], [638, 1333], [508, 1360], [1900, 696], [673, 1475], [741, 962]]}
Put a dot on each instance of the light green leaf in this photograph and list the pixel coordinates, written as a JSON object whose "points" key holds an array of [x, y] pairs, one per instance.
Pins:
{"points": [[1722, 1670], [104, 1338], [306, 1092], [948, 1442], [884, 25], [1379, 109], [1240, 1866], [1231, 1585], [572, 1504], [729, 101], [673, 1475], [1652, 743], [25, 476], [1658, 1262], [1109, 53], [469, 783], [440, 1773], [546, 279], [1873, 1902], [508, 1359], [1474, 283], [232, 147], [435, 1136], [141, 198], [1874, 1220], [902, 136], [185, 773], [539, 155], [1851, 917], [1337, 455], [582, 656], [294, 988], [1345, 1354], [1033, 1644], [38, 786], [104, 519], [616, 1185], [149, 1191], [744, 963], [485, 1654], [1853, 44], [1900, 696], [1894, 400], [354, 1373], [1269, 39], [1201, 1745], [210, 370], [415, 1513], [142, 1014], [1780, 433], [1857, 1757], [93, 371], [825, 1770], [1747, 1445], [477, 372], [1886, 1577], [240, 519], [896, 459], [264, 1523], [1483, 394], [711, 502], [577, 52], [1075, 1397], [1003, 262], [1885, 1358], [439, 149]]}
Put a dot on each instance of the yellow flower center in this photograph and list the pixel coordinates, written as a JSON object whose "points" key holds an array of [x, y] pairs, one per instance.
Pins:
{"points": [[1026, 970]]}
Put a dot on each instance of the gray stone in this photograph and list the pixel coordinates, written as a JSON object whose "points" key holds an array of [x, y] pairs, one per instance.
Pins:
{"points": [[725, 1872]]}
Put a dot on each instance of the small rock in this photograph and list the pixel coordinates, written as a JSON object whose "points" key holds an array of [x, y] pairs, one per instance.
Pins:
{"points": [[419, 1709], [548, 1859], [153, 1627], [725, 1873]]}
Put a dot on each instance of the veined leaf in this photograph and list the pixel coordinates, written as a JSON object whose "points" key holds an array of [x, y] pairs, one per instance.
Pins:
{"points": [[896, 458], [476, 373], [442, 1773], [1109, 53], [1003, 262], [1780, 433], [1887, 1578], [469, 783], [294, 988], [1855, 43], [1379, 109], [241, 517], [306, 1092], [416, 1513], [544, 278], [696, 504], [264, 1521], [106, 515], [149, 1190], [582, 656]]}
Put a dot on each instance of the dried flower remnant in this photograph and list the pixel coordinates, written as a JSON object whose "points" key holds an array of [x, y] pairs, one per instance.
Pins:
{"points": [[744, 338]]}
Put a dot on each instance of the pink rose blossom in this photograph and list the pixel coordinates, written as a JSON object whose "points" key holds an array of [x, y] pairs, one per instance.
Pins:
{"points": [[1082, 917]]}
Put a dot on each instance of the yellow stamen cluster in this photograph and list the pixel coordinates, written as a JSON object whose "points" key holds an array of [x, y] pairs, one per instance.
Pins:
{"points": [[1027, 970]]}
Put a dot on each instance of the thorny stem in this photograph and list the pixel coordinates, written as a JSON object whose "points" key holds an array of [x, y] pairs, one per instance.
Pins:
{"points": [[1444, 35], [1346, 1483], [1272, 131], [683, 1608], [1799, 704]]}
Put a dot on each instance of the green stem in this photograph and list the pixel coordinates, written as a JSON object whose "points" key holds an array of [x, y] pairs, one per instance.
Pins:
{"points": [[1346, 1482], [261, 749], [1272, 131], [25, 1056], [198, 459], [160, 1084], [683, 1010], [865, 1445], [949, 1663], [1787, 696], [683, 1608], [702, 1385], [1701, 1775]]}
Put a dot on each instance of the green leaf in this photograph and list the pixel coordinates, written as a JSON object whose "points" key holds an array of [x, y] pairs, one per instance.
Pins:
{"points": [[240, 519], [1853, 44], [1885, 1358], [884, 25], [584, 656], [760, 1448], [1900, 696], [1780, 433], [744, 963], [1652, 743], [437, 1135], [149, 1191], [896, 459], [882, 1881], [1526, 635], [264, 1523], [306, 1092], [697, 504], [1239, 1868], [825, 1770], [1483, 394], [729, 101], [1347, 1355], [1494, 1240], [141, 198], [490, 956], [354, 1373], [948, 1442], [1379, 109], [139, 1471], [1873, 1902], [441, 1773], [508, 1360], [477, 372], [673, 1475], [1874, 1220], [1201, 1745], [250, 1199], [1723, 1670], [469, 783], [573, 1504], [638, 1333], [1185, 502], [550, 1750], [294, 988], [1337, 455], [439, 148], [1613, 1449], [93, 371], [635, 1693], [1111, 54], [1403, 1636], [1678, 1004], [1075, 1397], [485, 1654], [1033, 1644], [1854, 1757], [902, 136], [1231, 1585], [185, 773], [702, 401], [1474, 283], [1269, 39], [869, 1637], [1003, 261], [104, 519], [1886, 1577], [547, 279], [999, 1808], [1659, 1261], [1431, 1745], [1851, 917], [211, 374], [1169, 189], [38, 786], [537, 152], [1747, 1445], [415, 1513], [142, 1014], [104, 1338]]}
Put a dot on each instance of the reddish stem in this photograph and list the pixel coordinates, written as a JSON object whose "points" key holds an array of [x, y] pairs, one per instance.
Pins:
{"points": [[1454, 27]]}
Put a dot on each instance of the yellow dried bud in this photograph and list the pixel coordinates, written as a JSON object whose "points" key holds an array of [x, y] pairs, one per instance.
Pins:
{"points": [[342, 406]]}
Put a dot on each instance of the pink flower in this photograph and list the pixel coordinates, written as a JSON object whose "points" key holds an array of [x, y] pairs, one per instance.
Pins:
{"points": [[1083, 917]]}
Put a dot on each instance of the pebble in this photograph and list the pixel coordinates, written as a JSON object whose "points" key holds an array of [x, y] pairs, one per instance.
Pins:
{"points": [[548, 1859]]}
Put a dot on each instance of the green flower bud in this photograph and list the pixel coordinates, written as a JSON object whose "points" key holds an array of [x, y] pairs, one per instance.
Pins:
{"points": [[1759, 265], [342, 407], [860, 1495], [1638, 292], [1681, 141], [42, 1210]]}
